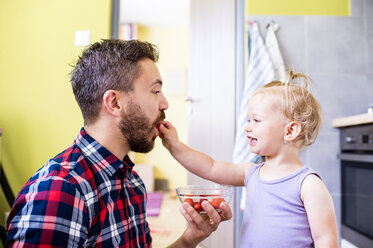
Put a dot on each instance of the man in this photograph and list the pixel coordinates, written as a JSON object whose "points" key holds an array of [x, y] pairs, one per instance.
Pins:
{"points": [[88, 195]]}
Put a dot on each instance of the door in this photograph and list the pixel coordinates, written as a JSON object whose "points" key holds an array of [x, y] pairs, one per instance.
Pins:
{"points": [[211, 89]]}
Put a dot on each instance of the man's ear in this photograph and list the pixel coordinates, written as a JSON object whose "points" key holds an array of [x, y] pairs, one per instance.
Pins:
{"points": [[292, 131], [111, 102]]}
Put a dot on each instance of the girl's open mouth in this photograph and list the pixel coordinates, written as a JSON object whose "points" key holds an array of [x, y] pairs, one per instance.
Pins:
{"points": [[252, 140]]}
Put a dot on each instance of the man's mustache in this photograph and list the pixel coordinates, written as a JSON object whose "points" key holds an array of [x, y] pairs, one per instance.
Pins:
{"points": [[161, 117]]}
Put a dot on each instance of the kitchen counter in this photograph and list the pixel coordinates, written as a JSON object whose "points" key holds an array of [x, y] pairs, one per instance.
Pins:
{"points": [[353, 120], [169, 225]]}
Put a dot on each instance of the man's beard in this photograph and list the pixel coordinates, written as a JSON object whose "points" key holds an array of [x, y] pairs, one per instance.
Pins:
{"points": [[137, 129]]}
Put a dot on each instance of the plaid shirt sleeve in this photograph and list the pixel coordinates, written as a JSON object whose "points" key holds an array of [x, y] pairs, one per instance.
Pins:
{"points": [[49, 212]]}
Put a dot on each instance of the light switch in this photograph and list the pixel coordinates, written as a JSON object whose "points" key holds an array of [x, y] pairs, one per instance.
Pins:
{"points": [[82, 37]]}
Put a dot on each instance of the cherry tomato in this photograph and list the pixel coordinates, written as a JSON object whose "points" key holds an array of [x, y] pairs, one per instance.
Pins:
{"points": [[190, 201], [216, 202], [202, 200], [158, 126], [197, 206]]}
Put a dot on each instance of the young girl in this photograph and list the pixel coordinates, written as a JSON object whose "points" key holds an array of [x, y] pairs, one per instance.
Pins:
{"points": [[287, 204]]}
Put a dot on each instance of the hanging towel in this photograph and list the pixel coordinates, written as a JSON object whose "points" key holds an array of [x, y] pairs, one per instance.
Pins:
{"points": [[274, 51], [260, 71]]}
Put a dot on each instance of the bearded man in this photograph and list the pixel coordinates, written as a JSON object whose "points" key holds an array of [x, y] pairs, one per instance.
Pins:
{"points": [[88, 195]]}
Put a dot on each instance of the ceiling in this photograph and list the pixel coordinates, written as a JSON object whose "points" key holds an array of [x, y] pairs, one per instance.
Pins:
{"points": [[155, 13]]}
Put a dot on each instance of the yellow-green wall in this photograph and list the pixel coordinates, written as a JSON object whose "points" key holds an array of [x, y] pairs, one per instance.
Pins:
{"points": [[298, 7], [173, 56], [37, 108]]}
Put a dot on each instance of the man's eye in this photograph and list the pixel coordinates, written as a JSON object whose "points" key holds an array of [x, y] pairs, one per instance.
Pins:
{"points": [[156, 92]]}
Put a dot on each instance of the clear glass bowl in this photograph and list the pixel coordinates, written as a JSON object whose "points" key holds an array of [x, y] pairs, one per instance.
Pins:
{"points": [[196, 194]]}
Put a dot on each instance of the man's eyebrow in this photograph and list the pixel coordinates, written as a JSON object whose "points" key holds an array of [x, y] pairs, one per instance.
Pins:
{"points": [[158, 81]]}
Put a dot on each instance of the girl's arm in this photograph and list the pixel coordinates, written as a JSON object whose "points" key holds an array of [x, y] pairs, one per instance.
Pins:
{"points": [[320, 211], [201, 164]]}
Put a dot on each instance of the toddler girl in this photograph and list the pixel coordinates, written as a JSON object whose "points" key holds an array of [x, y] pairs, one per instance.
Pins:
{"points": [[287, 204]]}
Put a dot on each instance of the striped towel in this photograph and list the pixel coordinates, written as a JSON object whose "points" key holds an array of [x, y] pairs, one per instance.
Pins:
{"points": [[274, 51], [260, 71]]}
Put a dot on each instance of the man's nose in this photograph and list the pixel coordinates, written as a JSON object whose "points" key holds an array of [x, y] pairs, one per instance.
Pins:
{"points": [[163, 105]]}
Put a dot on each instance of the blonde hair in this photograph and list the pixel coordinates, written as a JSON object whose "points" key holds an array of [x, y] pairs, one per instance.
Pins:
{"points": [[297, 104]]}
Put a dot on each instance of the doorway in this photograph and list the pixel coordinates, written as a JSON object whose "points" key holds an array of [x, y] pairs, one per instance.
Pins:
{"points": [[164, 23]]}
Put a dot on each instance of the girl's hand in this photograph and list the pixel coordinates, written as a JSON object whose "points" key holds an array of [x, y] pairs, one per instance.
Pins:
{"points": [[168, 134]]}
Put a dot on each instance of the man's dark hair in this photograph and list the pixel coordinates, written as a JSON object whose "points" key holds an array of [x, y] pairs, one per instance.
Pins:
{"points": [[109, 64]]}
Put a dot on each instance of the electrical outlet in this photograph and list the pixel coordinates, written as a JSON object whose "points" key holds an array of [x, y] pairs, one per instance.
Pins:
{"points": [[82, 37]]}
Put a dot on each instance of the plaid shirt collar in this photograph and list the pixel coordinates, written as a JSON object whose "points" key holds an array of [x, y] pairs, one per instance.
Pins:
{"points": [[101, 157]]}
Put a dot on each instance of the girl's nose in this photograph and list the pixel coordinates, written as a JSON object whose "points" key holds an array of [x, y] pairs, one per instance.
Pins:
{"points": [[248, 127]]}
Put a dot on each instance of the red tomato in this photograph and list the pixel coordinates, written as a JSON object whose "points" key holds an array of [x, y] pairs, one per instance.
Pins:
{"points": [[202, 200], [190, 201], [197, 206], [216, 202], [158, 126]]}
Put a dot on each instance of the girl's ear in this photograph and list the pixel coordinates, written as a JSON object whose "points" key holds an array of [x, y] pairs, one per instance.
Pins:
{"points": [[111, 102], [292, 131]]}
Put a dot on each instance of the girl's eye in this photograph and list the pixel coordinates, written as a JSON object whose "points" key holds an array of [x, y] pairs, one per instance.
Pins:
{"points": [[254, 120]]}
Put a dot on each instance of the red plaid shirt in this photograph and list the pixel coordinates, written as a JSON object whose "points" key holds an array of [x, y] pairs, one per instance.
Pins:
{"points": [[84, 197]]}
